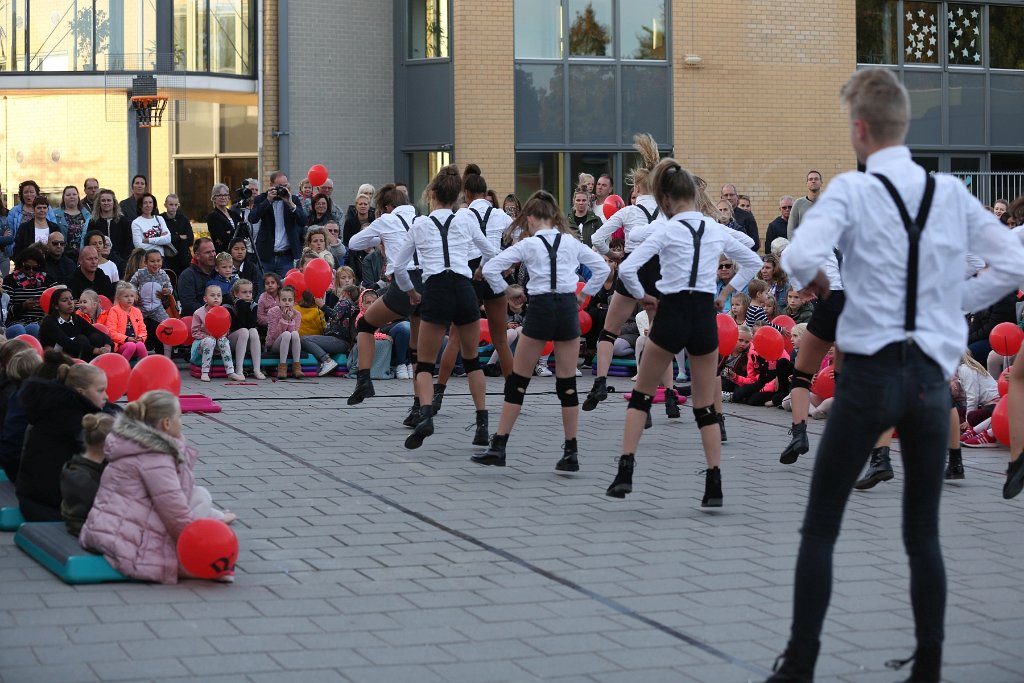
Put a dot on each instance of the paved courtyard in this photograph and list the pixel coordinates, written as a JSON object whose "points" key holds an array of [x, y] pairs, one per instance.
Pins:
{"points": [[362, 561]]}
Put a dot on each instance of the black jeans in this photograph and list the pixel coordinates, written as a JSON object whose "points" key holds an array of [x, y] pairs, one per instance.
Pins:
{"points": [[898, 386]]}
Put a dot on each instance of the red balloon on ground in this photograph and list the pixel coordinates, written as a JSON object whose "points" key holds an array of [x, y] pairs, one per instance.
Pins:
{"points": [[117, 369], [579, 288], [218, 321], [1004, 382], [768, 343], [612, 203], [318, 276], [172, 332], [317, 175], [728, 334], [208, 549], [784, 321], [187, 320], [154, 372], [1001, 421], [485, 331], [825, 383], [586, 322], [1005, 339]]}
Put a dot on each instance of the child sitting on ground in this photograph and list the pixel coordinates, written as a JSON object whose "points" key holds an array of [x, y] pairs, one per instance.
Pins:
{"points": [[244, 332], [976, 395], [756, 315], [283, 334], [796, 308], [154, 287], [89, 306], [80, 478], [208, 343], [124, 320], [738, 307], [147, 495]]}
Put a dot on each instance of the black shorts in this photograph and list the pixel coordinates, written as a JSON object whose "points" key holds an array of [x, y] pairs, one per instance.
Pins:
{"points": [[552, 317], [449, 298], [398, 301], [649, 275], [483, 290], [686, 320], [826, 316]]}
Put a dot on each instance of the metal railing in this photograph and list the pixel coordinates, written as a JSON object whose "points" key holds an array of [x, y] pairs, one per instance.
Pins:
{"points": [[988, 186]]}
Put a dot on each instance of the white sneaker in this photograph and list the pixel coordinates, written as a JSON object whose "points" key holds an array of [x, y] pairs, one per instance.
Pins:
{"points": [[578, 373], [327, 367], [401, 372], [259, 375], [542, 370], [235, 377]]}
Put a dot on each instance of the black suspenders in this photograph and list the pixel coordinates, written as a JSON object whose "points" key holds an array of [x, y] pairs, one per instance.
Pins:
{"points": [[553, 255], [650, 216], [443, 229], [483, 219], [914, 229], [697, 235], [415, 256]]}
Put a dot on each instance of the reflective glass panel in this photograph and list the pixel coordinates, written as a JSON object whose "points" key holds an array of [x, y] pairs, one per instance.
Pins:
{"points": [[925, 107], [877, 32], [921, 24], [590, 28], [642, 28], [966, 109], [538, 29], [592, 104], [1005, 46], [428, 29], [645, 93], [963, 34], [540, 110]]}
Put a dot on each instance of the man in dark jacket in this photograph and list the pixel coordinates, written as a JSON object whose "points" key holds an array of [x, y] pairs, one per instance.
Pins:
{"points": [[89, 276], [58, 266], [744, 219], [585, 220], [192, 281], [779, 226], [282, 225]]}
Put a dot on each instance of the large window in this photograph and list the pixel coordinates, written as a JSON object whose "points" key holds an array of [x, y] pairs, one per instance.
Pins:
{"points": [[215, 36], [428, 29]]}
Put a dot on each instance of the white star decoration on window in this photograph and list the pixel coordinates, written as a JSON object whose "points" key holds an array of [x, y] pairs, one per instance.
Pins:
{"points": [[964, 25], [921, 30]]}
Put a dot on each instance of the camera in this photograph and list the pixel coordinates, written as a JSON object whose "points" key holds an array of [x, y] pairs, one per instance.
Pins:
{"points": [[280, 192], [244, 193]]}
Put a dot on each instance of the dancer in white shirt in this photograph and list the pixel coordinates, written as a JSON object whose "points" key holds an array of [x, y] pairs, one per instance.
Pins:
{"points": [[551, 255]]}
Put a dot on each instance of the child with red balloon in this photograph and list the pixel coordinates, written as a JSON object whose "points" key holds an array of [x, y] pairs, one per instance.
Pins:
{"points": [[689, 245], [768, 370], [154, 286], [975, 396], [552, 256], [244, 333], [147, 496], [72, 333], [124, 320], [210, 326]]}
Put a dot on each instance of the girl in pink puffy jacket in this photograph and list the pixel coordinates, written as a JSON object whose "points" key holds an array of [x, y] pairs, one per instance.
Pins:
{"points": [[147, 494]]}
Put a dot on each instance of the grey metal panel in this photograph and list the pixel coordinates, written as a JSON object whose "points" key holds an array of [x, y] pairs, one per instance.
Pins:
{"points": [[426, 117]]}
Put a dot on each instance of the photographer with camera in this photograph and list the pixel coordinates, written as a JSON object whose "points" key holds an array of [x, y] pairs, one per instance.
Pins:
{"points": [[282, 225]]}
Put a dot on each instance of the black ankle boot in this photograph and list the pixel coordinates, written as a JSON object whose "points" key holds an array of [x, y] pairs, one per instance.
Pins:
{"points": [[927, 665], [435, 404], [364, 388], [798, 445], [671, 403], [423, 429], [721, 426], [712, 488], [796, 665], [1014, 478], [569, 461], [495, 453], [598, 393], [623, 482], [955, 465], [480, 437], [880, 469], [413, 418]]}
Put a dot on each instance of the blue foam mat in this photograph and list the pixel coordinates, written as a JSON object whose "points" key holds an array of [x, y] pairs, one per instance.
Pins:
{"points": [[49, 544], [10, 512]]}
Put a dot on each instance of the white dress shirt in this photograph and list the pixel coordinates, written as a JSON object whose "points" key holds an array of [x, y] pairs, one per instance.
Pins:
{"points": [[858, 215], [831, 269], [674, 243], [425, 239], [535, 256], [388, 229], [640, 234], [495, 227], [628, 218]]}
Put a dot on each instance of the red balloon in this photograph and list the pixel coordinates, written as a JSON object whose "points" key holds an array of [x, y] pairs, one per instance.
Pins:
{"points": [[1004, 382], [172, 332], [47, 296], [296, 281], [1001, 421], [579, 288], [154, 372], [1005, 339], [586, 322], [728, 334], [317, 175], [768, 343], [117, 369], [100, 327], [218, 321], [784, 321], [485, 331], [208, 549], [612, 203], [548, 349], [187, 320], [824, 384], [31, 341], [78, 361], [318, 276], [105, 303]]}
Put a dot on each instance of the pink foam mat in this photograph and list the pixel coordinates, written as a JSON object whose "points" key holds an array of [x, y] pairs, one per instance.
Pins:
{"points": [[197, 403]]}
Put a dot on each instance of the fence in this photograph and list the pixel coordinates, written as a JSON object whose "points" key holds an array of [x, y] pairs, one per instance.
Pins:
{"points": [[988, 186]]}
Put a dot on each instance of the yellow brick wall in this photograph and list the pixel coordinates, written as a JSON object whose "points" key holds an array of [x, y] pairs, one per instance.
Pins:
{"points": [[482, 55], [763, 107], [271, 119]]}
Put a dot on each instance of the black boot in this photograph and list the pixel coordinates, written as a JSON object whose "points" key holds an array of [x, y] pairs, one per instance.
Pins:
{"points": [[569, 461], [423, 429], [413, 418], [712, 488], [721, 426], [927, 665], [480, 438], [880, 469], [671, 403], [955, 466], [798, 445], [796, 665], [598, 393], [364, 388], [1014, 478], [435, 404], [495, 454], [623, 483]]}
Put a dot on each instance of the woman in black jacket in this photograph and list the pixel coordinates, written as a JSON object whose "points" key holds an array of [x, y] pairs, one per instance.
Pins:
{"points": [[71, 333], [182, 235], [108, 220], [320, 211], [1002, 311], [222, 221]]}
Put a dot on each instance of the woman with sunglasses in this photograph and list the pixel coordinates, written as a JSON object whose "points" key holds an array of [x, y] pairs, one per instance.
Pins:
{"points": [[25, 285]]}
